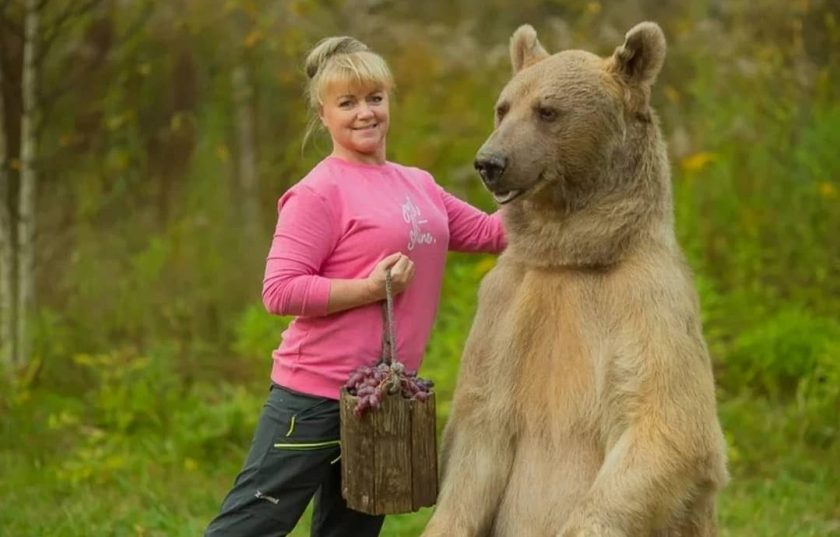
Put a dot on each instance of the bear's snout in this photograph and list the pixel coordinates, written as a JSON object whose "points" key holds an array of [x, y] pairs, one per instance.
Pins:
{"points": [[490, 167]]}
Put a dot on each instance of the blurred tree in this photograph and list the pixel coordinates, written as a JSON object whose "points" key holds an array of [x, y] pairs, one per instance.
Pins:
{"points": [[7, 260], [243, 94], [19, 215], [25, 250], [247, 35]]}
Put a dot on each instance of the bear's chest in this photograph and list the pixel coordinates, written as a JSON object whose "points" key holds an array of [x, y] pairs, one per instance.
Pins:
{"points": [[556, 335]]}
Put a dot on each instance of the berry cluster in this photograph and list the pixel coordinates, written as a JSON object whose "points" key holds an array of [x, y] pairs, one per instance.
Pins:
{"points": [[372, 384]]}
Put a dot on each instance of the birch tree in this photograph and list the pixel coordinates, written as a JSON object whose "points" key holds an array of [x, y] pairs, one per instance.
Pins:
{"points": [[28, 180], [7, 258], [18, 191], [247, 166]]}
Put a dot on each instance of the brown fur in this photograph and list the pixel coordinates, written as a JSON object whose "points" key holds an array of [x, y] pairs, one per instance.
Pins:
{"points": [[585, 403]]}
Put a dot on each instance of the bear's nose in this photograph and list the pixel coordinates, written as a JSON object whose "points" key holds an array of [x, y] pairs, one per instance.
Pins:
{"points": [[490, 167]]}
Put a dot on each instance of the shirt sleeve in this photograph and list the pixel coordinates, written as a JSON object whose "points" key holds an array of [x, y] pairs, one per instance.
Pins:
{"points": [[305, 236], [470, 229]]}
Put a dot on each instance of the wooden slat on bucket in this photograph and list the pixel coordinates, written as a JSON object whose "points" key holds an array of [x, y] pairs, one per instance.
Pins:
{"points": [[356, 453], [392, 462], [424, 453]]}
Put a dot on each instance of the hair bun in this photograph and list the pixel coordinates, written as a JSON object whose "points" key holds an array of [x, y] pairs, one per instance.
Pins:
{"points": [[329, 47]]}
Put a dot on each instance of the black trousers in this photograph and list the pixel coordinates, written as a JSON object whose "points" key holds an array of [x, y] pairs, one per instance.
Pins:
{"points": [[294, 456]]}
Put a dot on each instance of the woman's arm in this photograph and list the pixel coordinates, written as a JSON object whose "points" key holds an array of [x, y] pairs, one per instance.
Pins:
{"points": [[346, 294], [305, 235], [303, 238], [472, 230]]}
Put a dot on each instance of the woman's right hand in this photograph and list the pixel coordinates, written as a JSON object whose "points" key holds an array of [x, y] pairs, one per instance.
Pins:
{"points": [[402, 272]]}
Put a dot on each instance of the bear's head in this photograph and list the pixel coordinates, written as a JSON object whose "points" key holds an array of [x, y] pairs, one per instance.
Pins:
{"points": [[576, 145]]}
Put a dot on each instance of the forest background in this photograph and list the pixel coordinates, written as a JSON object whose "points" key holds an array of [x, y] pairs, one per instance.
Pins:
{"points": [[144, 145]]}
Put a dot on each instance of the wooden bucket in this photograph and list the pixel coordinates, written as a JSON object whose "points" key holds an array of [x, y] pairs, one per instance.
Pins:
{"points": [[389, 455]]}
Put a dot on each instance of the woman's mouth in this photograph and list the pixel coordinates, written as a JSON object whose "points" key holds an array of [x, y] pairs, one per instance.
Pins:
{"points": [[366, 127]]}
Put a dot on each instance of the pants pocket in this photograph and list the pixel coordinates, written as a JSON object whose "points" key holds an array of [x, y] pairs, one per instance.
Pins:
{"points": [[306, 422]]}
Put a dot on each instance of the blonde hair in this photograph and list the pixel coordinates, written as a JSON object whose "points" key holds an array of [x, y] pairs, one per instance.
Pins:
{"points": [[341, 60]]}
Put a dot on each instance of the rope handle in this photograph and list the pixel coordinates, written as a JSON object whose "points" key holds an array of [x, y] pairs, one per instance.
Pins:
{"points": [[389, 347]]}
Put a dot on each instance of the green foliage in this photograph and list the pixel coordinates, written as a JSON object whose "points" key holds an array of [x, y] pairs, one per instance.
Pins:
{"points": [[784, 354], [257, 333], [455, 313], [137, 409]]}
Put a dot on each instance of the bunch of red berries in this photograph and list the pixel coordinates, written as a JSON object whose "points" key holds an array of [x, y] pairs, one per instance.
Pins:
{"points": [[372, 384]]}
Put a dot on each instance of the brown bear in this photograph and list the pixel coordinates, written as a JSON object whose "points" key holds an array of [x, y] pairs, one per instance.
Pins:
{"points": [[585, 403]]}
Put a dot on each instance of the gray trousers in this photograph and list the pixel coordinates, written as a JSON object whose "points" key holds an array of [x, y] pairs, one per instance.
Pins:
{"points": [[294, 456]]}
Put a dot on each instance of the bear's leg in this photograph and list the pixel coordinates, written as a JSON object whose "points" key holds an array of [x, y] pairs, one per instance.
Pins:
{"points": [[641, 475], [698, 520], [476, 457]]}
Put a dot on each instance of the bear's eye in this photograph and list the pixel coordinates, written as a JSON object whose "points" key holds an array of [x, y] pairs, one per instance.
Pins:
{"points": [[547, 114], [501, 110]]}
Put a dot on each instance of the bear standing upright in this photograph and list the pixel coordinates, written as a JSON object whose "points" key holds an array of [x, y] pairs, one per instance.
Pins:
{"points": [[585, 403]]}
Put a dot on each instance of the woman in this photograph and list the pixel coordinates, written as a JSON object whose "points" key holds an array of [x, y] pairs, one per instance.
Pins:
{"points": [[352, 218]]}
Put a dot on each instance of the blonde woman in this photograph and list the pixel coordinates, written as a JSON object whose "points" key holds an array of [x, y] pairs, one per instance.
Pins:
{"points": [[354, 216]]}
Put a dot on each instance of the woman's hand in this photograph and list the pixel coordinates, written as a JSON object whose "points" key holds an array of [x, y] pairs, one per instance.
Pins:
{"points": [[402, 272], [347, 294]]}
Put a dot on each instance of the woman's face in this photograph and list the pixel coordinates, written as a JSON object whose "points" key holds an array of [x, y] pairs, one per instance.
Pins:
{"points": [[357, 119]]}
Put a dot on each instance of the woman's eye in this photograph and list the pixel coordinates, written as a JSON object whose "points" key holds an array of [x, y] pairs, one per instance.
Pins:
{"points": [[345, 104], [376, 98], [547, 114]]}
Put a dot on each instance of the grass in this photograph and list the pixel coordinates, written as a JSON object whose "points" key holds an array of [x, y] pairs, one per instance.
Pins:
{"points": [[782, 486]]}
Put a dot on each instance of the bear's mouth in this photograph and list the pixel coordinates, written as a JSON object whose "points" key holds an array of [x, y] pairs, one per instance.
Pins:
{"points": [[503, 197], [507, 197]]}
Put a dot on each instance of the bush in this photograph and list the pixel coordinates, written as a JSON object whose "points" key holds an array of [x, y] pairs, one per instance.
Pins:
{"points": [[783, 355]]}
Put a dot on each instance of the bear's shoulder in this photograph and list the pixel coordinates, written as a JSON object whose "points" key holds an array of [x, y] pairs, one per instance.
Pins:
{"points": [[656, 280]]}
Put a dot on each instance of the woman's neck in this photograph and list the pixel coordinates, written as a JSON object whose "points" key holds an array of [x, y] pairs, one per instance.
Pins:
{"points": [[376, 158]]}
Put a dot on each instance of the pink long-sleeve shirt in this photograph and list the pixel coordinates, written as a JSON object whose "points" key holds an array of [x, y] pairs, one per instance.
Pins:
{"points": [[339, 222]]}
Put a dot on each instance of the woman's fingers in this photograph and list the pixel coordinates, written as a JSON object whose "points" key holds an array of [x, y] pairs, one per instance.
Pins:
{"points": [[400, 266], [390, 260]]}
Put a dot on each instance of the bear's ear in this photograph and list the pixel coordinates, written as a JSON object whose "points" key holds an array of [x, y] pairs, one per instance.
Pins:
{"points": [[525, 48], [640, 58]]}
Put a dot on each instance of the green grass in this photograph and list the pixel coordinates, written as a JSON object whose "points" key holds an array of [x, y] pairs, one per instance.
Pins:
{"points": [[781, 486]]}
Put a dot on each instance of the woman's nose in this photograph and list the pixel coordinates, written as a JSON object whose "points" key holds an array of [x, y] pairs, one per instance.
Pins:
{"points": [[365, 110]]}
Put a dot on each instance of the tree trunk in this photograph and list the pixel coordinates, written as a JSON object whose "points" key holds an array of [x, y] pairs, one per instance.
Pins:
{"points": [[28, 183], [7, 258], [247, 169]]}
